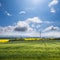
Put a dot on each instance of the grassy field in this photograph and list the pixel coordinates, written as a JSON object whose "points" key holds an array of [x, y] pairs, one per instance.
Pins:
{"points": [[30, 50]]}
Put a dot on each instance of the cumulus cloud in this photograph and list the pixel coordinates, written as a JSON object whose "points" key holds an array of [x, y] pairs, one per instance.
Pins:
{"points": [[52, 28], [22, 23], [34, 20], [52, 4], [51, 31], [37, 20], [22, 26], [7, 13], [22, 12], [22, 29], [26, 24], [7, 29]]}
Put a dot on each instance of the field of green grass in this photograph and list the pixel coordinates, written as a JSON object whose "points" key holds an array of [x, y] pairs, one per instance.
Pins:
{"points": [[30, 50]]}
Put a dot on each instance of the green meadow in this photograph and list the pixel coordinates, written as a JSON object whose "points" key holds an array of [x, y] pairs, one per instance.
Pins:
{"points": [[30, 50]]}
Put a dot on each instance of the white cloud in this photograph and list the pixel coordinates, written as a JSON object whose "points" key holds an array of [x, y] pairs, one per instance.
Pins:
{"points": [[34, 20], [30, 29], [52, 4], [22, 26], [52, 28], [26, 23], [7, 29], [37, 20], [22, 23], [7, 13], [22, 12], [51, 31]]}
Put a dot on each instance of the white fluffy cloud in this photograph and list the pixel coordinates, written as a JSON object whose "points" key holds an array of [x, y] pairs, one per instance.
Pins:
{"points": [[34, 20], [52, 4], [51, 31], [52, 28], [27, 22], [23, 26], [6, 29]]}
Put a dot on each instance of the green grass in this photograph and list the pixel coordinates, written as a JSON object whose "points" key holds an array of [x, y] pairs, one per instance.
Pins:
{"points": [[30, 50]]}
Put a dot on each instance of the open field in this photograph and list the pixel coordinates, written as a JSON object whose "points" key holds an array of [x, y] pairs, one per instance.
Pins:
{"points": [[30, 50]]}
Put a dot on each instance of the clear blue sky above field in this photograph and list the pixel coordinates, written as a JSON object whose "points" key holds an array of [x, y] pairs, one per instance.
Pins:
{"points": [[28, 17]]}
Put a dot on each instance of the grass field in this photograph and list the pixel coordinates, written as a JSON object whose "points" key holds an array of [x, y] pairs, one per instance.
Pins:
{"points": [[30, 50]]}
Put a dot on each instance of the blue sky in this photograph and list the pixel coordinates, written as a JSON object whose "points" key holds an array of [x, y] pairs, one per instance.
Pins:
{"points": [[27, 16]]}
